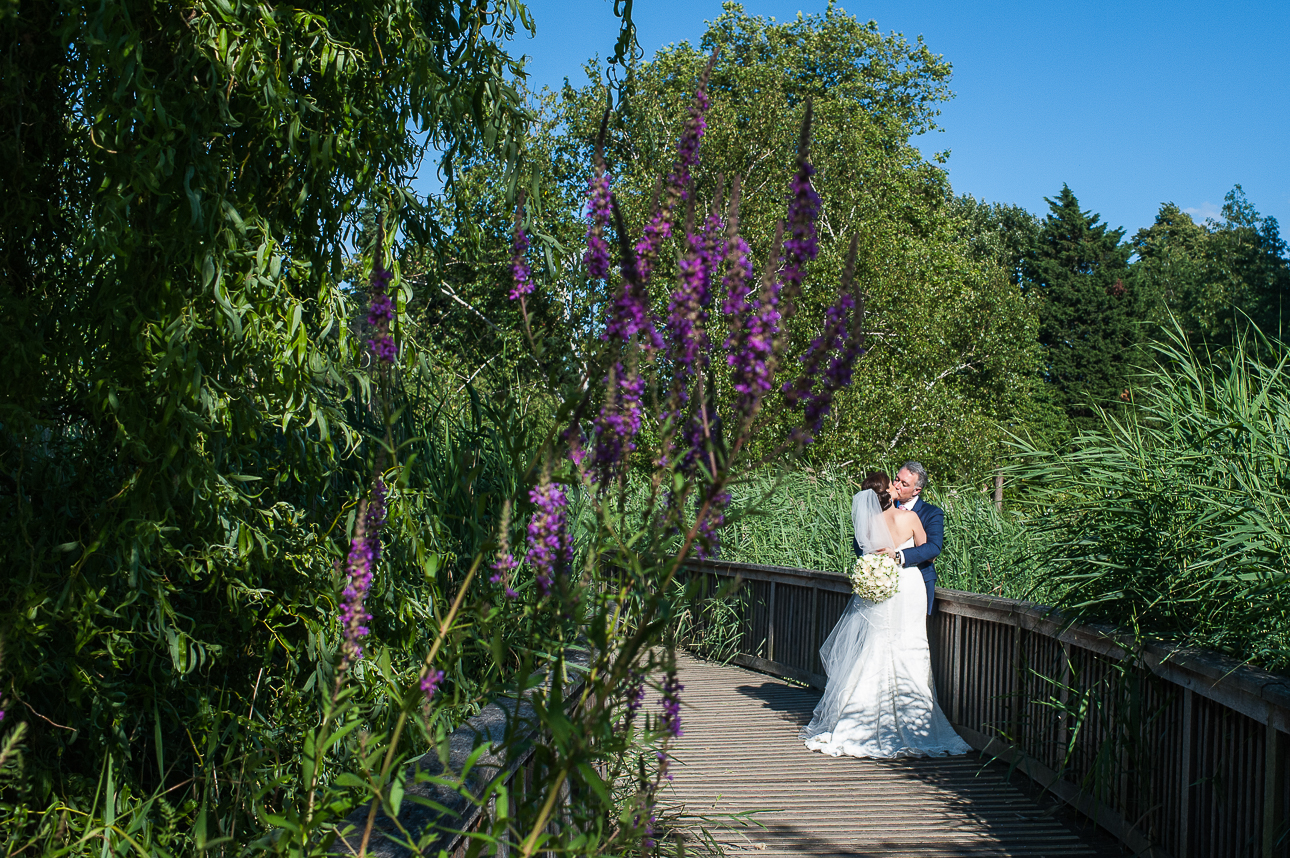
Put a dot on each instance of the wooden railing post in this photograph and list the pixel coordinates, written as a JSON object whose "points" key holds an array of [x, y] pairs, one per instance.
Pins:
{"points": [[1274, 774], [956, 666], [814, 639], [1185, 772], [770, 625]]}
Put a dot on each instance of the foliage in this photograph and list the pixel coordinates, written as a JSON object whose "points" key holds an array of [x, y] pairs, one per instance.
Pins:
{"points": [[185, 429], [803, 520], [1218, 278], [350, 696], [1090, 308], [951, 343], [1175, 518], [1007, 235]]}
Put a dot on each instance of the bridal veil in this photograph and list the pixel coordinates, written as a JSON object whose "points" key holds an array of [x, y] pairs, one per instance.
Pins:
{"points": [[879, 700]]}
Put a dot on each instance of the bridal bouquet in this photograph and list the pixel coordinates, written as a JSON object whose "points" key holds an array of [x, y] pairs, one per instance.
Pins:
{"points": [[875, 577]]}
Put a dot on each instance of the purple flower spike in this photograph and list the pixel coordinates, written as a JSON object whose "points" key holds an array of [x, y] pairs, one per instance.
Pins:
{"points": [[599, 210], [687, 314], [636, 697], [709, 545], [672, 705], [430, 684], [801, 245], [659, 228], [376, 513], [550, 549], [520, 274], [364, 552], [618, 422], [502, 568], [754, 329], [380, 312], [838, 347]]}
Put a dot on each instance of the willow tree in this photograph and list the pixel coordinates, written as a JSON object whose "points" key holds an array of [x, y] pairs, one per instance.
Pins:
{"points": [[180, 408]]}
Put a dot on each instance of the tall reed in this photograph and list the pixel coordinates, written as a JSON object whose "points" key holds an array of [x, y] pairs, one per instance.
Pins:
{"points": [[1175, 518], [803, 519]]}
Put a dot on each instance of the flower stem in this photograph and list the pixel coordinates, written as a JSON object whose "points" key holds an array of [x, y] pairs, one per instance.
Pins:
{"points": [[403, 714]]}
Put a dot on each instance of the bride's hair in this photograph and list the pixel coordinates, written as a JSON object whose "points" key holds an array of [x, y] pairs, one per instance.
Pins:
{"points": [[879, 482]]}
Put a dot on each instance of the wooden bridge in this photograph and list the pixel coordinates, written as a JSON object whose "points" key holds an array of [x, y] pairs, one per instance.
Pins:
{"points": [[743, 775], [1147, 750]]}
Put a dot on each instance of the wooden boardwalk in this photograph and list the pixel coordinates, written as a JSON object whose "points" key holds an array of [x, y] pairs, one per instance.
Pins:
{"points": [[740, 753]]}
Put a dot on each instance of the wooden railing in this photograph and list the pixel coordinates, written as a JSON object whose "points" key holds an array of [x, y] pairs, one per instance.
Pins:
{"points": [[1178, 753]]}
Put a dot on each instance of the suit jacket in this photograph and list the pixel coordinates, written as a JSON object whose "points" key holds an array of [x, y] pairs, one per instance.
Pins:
{"points": [[923, 556]]}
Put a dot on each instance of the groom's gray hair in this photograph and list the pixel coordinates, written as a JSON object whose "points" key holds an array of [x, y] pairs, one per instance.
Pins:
{"points": [[917, 469]]}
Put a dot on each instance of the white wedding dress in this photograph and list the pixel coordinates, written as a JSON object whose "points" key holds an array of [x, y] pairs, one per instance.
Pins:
{"points": [[879, 700]]}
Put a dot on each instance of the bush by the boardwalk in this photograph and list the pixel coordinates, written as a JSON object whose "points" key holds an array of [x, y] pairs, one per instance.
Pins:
{"points": [[244, 603], [1174, 518]]}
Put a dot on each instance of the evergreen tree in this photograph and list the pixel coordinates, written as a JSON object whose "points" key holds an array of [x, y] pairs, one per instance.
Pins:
{"points": [[1089, 313]]}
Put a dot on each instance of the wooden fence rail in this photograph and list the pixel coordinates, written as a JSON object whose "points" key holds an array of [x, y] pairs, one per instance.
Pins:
{"points": [[1179, 753]]}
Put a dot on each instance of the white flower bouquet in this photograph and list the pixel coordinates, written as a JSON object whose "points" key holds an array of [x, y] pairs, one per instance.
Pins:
{"points": [[875, 577]]}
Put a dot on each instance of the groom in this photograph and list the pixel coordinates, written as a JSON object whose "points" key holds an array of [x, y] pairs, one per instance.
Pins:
{"points": [[905, 491]]}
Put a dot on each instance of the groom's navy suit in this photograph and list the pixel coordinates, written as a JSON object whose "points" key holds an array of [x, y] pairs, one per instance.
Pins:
{"points": [[923, 556]]}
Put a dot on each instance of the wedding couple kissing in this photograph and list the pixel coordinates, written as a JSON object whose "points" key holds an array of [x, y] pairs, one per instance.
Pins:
{"points": [[879, 700]]}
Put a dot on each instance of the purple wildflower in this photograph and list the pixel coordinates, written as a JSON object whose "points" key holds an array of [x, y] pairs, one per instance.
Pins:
{"points": [[664, 769], [502, 568], [572, 436], [380, 312], [801, 244], [672, 705], [659, 228], [636, 696], [688, 313], [520, 274], [754, 328], [358, 581], [629, 315], [599, 209], [709, 544], [505, 563], [376, 512], [430, 684], [647, 834], [619, 420], [840, 344], [364, 552], [550, 549]]}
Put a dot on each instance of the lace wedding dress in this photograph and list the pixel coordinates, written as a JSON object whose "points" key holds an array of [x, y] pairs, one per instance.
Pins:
{"points": [[879, 700]]}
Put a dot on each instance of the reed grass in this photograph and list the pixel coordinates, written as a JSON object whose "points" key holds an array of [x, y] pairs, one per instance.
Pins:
{"points": [[803, 519], [1174, 519]]}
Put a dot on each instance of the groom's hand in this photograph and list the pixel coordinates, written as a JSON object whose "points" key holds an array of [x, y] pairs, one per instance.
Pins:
{"points": [[893, 554]]}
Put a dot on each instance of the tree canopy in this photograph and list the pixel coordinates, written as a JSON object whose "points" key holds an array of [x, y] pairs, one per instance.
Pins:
{"points": [[951, 335], [183, 424], [1217, 278]]}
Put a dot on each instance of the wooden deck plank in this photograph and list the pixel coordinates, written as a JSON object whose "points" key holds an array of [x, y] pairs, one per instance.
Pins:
{"points": [[740, 754]]}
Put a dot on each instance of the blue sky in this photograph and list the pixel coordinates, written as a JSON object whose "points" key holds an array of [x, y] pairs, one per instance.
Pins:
{"points": [[1132, 104]]}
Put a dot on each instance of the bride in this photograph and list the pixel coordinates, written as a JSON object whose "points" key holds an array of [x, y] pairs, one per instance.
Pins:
{"points": [[879, 700]]}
